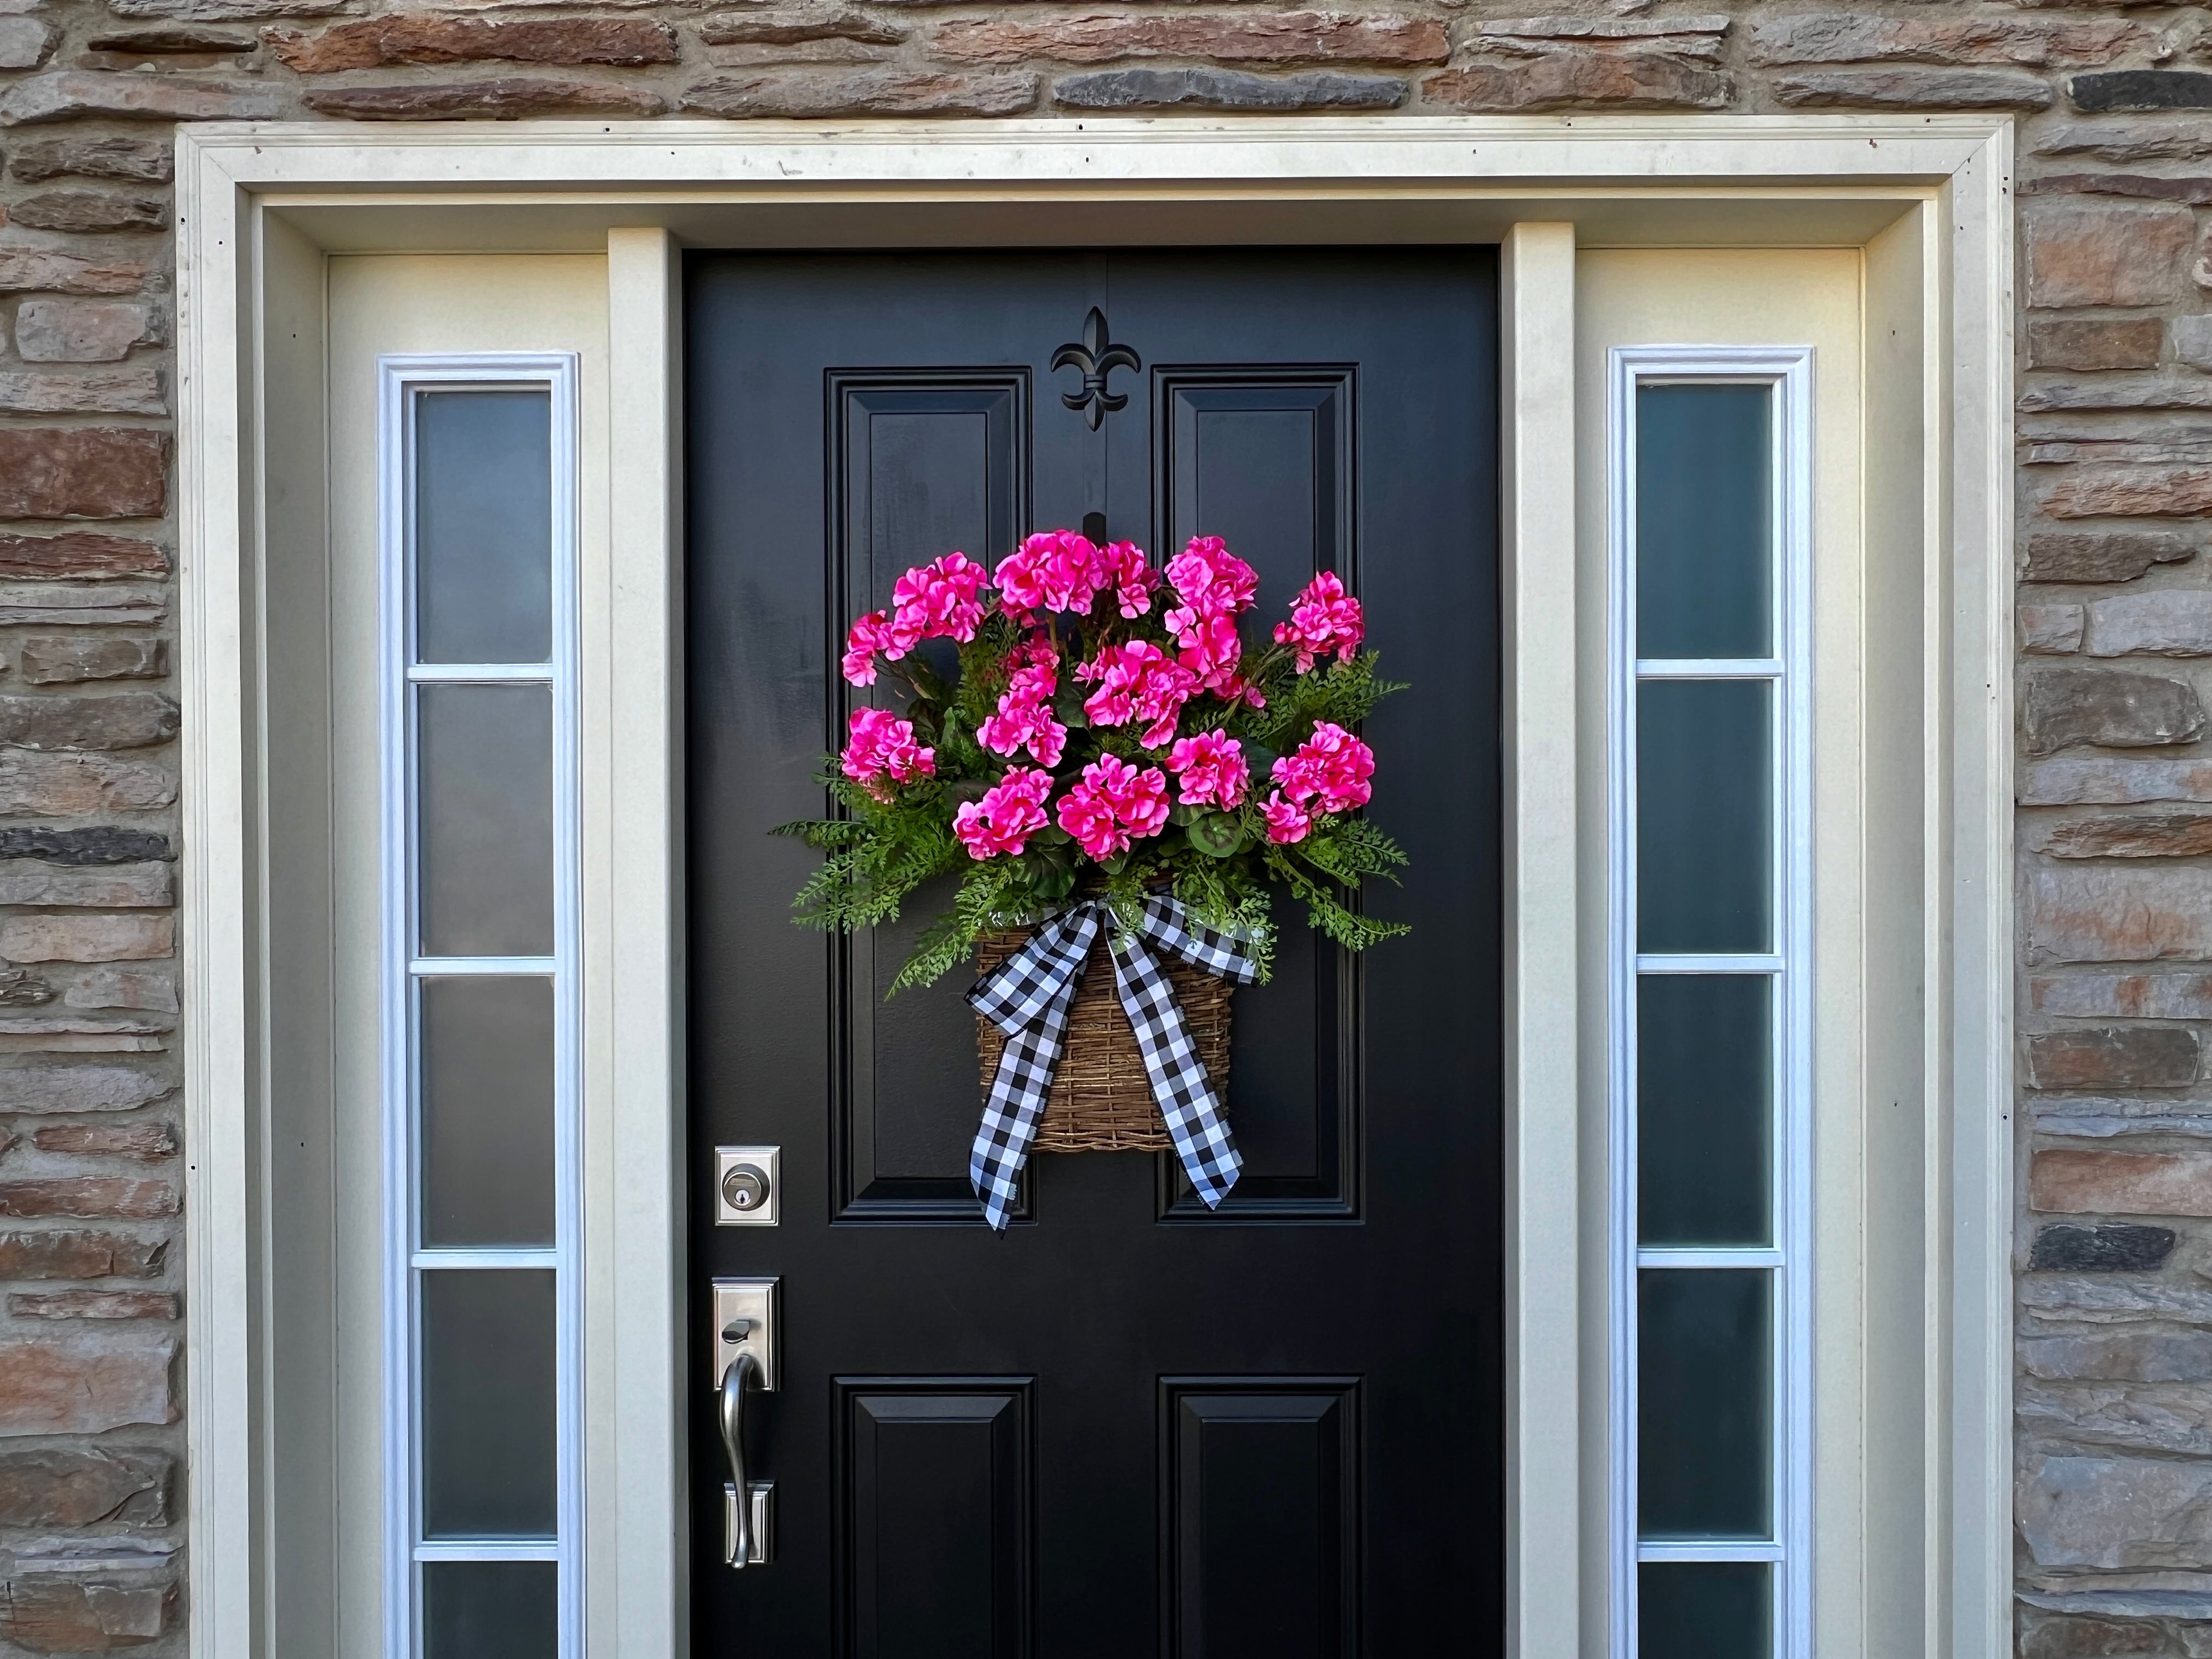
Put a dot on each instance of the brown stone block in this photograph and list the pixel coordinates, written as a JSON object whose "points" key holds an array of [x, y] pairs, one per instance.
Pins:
{"points": [[25, 268], [42, 1089], [183, 40], [863, 92], [76, 1252], [2050, 629], [2116, 557], [1568, 76], [2152, 1356], [1133, 91], [503, 99], [2070, 1182], [1845, 37], [2124, 996], [87, 939], [825, 19], [71, 94], [93, 391], [85, 1384], [90, 210], [85, 1486], [122, 1198], [1914, 88], [1293, 37], [2067, 706], [33, 785], [2114, 1057], [415, 38], [2134, 1513], [2150, 836], [2144, 186], [2170, 622], [80, 553], [2105, 915], [2129, 492], [2117, 391], [83, 472], [150, 1142], [2133, 343], [79, 331], [2090, 1638], [2099, 253], [93, 158], [61, 1615], [127, 720], [92, 1304], [59, 660]]}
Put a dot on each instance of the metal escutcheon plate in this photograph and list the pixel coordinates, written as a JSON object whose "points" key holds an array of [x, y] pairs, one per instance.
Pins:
{"points": [[764, 1500]]}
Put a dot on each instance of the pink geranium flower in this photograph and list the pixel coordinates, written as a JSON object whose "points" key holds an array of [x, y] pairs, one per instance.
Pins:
{"points": [[1209, 579], [1138, 682], [1114, 803], [1121, 567], [938, 600], [1331, 769], [1006, 816], [882, 752], [1025, 720], [1323, 619], [1210, 770], [872, 633], [1052, 570], [1286, 823]]}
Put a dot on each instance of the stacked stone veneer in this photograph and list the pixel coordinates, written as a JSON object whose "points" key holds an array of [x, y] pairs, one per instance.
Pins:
{"points": [[2115, 1494]]}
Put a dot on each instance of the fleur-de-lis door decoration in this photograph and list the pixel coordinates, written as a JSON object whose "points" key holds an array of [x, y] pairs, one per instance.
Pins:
{"points": [[1097, 357]]}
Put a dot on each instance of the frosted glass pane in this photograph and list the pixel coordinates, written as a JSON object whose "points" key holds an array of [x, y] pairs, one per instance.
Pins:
{"points": [[1705, 1402], [490, 1609], [483, 527], [486, 837], [486, 1111], [487, 1403], [1703, 1094], [1704, 1610], [1703, 815], [1705, 553]]}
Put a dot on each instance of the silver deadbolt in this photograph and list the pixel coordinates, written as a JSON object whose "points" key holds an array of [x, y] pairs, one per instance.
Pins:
{"points": [[745, 1186]]}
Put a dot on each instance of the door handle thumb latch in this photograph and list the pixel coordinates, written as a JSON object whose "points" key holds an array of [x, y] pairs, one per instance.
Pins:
{"points": [[744, 1344]]}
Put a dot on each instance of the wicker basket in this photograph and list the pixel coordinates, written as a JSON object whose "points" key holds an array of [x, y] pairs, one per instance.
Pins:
{"points": [[1102, 1098]]}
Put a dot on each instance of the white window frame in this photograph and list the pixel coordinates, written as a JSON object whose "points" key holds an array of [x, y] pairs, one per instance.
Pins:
{"points": [[400, 380], [1789, 371]]}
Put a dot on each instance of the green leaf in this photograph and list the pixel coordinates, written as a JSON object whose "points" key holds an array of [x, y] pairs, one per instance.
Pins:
{"points": [[1217, 835]]}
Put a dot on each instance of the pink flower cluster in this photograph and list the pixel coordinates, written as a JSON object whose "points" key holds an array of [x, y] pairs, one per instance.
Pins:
{"points": [[1210, 770], [942, 599], [1323, 619], [1215, 588], [1009, 813], [1136, 681], [1328, 773], [1114, 803], [882, 752], [1025, 720], [1061, 570]]}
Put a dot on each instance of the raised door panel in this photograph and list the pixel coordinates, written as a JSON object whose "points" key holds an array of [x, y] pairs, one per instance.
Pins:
{"points": [[1260, 1529], [1263, 456], [934, 1530], [922, 463]]}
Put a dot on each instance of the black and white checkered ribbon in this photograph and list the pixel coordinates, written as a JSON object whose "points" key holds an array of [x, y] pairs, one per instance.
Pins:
{"points": [[1027, 996]]}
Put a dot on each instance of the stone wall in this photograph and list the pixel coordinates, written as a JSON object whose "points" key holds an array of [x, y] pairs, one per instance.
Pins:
{"points": [[2115, 1497]]}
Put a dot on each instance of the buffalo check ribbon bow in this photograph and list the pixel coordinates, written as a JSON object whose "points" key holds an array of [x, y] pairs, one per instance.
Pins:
{"points": [[1027, 996]]}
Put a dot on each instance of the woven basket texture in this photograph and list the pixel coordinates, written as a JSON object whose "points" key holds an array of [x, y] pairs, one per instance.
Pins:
{"points": [[1102, 1099]]}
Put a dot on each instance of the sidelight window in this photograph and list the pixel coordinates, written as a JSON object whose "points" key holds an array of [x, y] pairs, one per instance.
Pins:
{"points": [[1711, 911], [482, 1418]]}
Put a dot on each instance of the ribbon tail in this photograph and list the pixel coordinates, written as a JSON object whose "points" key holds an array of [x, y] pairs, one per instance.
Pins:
{"points": [[1187, 1104], [1027, 997]]}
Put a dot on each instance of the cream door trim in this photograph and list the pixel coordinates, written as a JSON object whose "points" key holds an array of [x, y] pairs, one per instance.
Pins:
{"points": [[260, 209]]}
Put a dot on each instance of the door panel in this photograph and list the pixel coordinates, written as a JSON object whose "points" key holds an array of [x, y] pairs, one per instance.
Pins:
{"points": [[1129, 1425]]}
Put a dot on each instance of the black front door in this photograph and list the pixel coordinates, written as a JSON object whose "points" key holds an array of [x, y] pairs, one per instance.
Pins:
{"points": [[1128, 1425]]}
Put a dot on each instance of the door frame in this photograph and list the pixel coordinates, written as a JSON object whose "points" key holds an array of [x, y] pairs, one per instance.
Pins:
{"points": [[259, 207]]}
